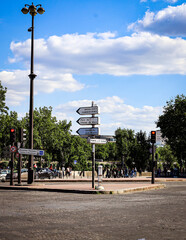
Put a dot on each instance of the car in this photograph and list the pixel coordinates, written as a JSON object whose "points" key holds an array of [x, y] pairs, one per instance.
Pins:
{"points": [[15, 175], [45, 173], [3, 174]]}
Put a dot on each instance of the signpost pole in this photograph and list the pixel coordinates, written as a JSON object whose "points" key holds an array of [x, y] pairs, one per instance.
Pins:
{"points": [[93, 165], [93, 157], [93, 131]]}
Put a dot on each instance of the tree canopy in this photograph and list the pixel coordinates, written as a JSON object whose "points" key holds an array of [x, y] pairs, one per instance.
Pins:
{"points": [[3, 107], [130, 149], [173, 126]]}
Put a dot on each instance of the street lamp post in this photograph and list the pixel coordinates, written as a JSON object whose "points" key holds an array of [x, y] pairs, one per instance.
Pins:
{"points": [[33, 10]]}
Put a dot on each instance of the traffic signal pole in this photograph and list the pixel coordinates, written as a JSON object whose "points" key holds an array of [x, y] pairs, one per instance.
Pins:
{"points": [[12, 140], [19, 167], [153, 165], [12, 168], [153, 141]]}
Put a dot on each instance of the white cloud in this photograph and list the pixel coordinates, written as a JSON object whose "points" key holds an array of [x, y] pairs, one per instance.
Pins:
{"points": [[114, 113], [141, 53], [47, 81], [59, 57], [170, 21], [15, 97]]}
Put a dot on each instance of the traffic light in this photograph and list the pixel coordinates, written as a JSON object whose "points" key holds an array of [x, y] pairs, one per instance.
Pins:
{"points": [[22, 135], [12, 135], [153, 137]]}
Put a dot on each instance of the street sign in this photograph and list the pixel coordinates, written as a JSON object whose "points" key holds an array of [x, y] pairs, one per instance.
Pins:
{"points": [[88, 131], [96, 141], [36, 152], [88, 121], [13, 149], [88, 110]]}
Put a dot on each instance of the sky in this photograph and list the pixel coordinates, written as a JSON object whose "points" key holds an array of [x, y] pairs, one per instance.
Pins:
{"points": [[127, 56]]}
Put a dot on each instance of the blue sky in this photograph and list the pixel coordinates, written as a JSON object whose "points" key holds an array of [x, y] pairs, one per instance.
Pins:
{"points": [[129, 57]]}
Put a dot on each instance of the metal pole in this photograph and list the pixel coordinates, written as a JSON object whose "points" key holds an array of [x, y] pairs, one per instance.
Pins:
{"points": [[93, 165], [32, 76], [93, 156], [12, 168], [153, 165], [19, 167]]}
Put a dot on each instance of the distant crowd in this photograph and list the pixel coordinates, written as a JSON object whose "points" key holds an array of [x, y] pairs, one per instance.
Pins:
{"points": [[118, 172], [171, 172]]}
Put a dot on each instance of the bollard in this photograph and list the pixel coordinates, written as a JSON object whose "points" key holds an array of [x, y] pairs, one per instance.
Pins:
{"points": [[100, 174]]}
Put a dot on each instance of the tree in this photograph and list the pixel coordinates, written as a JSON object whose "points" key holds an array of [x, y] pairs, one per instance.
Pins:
{"points": [[3, 107], [102, 151], [112, 151], [6, 122], [141, 151], [80, 151], [50, 135], [124, 141], [166, 156], [173, 126]]}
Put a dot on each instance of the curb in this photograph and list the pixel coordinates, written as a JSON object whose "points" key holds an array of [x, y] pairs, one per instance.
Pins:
{"points": [[120, 191], [132, 190]]}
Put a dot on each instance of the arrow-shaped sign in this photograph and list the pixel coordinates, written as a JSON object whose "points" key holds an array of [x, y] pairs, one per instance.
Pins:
{"points": [[88, 110], [88, 131], [88, 121]]}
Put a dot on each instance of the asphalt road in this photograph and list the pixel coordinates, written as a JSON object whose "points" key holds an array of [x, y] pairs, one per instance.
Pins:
{"points": [[149, 215]]}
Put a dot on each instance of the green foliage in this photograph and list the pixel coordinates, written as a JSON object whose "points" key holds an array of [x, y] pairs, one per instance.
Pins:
{"points": [[166, 156], [102, 151], [3, 107], [6, 122], [141, 151], [50, 135], [112, 151], [133, 150], [61, 146], [173, 126], [125, 141], [81, 152]]}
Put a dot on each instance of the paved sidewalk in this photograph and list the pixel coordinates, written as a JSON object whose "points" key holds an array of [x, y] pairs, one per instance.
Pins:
{"points": [[84, 187]]}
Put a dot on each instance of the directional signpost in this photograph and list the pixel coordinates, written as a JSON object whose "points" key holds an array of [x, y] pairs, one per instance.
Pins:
{"points": [[88, 121], [35, 152], [93, 131], [88, 131], [88, 110]]}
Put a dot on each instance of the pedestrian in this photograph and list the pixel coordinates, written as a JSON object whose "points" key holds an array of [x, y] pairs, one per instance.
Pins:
{"points": [[135, 172]]}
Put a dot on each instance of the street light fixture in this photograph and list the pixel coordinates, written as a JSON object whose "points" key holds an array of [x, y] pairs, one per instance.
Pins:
{"points": [[33, 10]]}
